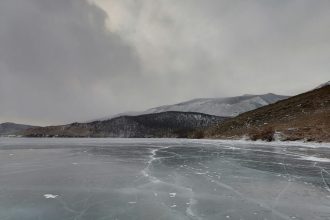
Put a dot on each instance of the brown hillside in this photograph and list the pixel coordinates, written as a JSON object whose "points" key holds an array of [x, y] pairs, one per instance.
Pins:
{"points": [[302, 117]]}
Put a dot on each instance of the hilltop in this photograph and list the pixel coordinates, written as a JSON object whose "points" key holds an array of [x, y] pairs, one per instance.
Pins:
{"points": [[302, 117]]}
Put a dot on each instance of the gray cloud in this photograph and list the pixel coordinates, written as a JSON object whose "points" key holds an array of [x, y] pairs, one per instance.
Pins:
{"points": [[229, 47], [72, 60], [58, 61]]}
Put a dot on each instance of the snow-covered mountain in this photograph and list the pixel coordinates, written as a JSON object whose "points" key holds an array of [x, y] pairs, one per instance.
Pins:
{"points": [[225, 107]]}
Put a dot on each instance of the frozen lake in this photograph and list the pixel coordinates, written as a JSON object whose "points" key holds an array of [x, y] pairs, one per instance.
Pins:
{"points": [[168, 179]]}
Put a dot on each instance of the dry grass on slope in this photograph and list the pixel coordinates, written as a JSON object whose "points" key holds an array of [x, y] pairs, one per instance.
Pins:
{"points": [[305, 116]]}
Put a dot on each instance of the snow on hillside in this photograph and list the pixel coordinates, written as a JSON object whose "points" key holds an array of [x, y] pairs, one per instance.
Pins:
{"points": [[226, 107]]}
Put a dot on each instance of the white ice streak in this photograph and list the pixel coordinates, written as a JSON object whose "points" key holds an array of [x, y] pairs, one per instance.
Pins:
{"points": [[317, 159], [264, 205], [192, 202], [50, 196], [145, 171], [189, 210], [243, 143], [202, 173], [172, 195], [322, 171]]}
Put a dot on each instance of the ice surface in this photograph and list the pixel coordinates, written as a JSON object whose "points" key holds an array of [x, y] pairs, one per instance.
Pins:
{"points": [[171, 179]]}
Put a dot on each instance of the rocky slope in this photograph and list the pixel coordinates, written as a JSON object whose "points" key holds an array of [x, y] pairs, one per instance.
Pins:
{"points": [[8, 128], [305, 116], [166, 124]]}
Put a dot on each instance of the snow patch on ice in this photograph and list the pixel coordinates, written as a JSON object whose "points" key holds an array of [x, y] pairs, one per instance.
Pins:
{"points": [[172, 195], [50, 196], [201, 173]]}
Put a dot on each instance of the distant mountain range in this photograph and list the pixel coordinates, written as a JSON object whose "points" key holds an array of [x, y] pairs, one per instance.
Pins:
{"points": [[177, 120], [12, 128], [266, 117], [164, 124], [302, 117], [224, 107]]}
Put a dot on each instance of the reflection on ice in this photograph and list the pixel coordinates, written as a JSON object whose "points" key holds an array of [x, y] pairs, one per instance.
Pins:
{"points": [[163, 179]]}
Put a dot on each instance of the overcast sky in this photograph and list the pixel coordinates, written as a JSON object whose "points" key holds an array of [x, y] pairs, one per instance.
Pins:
{"points": [[75, 60]]}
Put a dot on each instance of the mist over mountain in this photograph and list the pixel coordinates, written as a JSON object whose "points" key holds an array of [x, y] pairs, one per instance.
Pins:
{"points": [[12, 128]]}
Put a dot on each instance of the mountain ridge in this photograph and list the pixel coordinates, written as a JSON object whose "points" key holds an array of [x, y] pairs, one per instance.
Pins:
{"points": [[165, 124], [302, 117], [10, 128], [223, 107]]}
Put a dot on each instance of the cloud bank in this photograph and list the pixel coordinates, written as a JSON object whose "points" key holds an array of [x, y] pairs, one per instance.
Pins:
{"points": [[74, 60]]}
